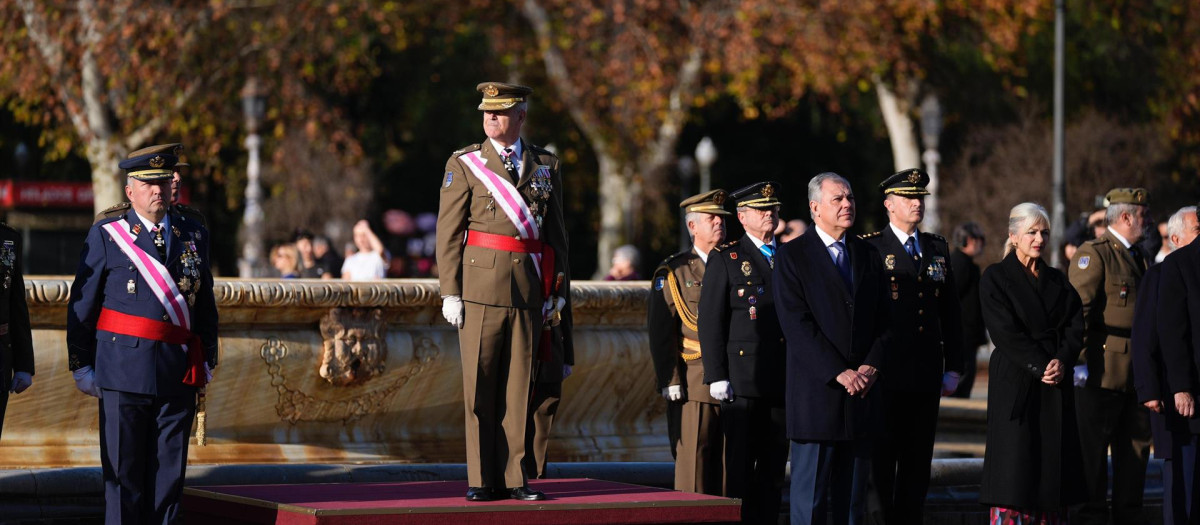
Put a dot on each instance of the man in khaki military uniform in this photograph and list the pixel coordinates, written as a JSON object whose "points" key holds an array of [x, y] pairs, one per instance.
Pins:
{"points": [[1106, 272], [693, 416], [502, 265], [188, 212]]}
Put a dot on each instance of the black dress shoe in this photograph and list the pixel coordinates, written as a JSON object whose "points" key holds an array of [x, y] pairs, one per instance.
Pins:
{"points": [[480, 494], [526, 494]]}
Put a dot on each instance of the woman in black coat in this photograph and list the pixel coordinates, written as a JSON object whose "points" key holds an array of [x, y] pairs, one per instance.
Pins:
{"points": [[1032, 468]]}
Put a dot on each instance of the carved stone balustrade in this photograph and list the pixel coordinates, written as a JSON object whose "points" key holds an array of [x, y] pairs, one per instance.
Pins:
{"points": [[329, 371]]}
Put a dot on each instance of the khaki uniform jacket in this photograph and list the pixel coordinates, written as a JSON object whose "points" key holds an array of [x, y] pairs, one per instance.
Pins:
{"points": [[494, 277], [1107, 276], [681, 275], [16, 341]]}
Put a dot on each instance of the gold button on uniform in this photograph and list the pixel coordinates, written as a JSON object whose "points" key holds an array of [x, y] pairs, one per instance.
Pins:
{"points": [[920, 328], [920, 312], [920, 295], [516, 261], [741, 352]]}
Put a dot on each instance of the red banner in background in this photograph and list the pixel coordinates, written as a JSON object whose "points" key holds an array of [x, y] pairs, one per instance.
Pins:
{"points": [[36, 194]]}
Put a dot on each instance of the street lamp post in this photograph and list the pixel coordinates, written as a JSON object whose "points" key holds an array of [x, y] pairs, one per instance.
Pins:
{"points": [[687, 171], [931, 131], [253, 108], [706, 155]]}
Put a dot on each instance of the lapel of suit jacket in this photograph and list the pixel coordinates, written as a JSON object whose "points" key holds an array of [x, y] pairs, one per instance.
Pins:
{"points": [[144, 239], [175, 243], [528, 162], [760, 260], [817, 252], [897, 247], [857, 250], [492, 160]]}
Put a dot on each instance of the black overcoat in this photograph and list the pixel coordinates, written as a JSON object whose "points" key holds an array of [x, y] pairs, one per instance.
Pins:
{"points": [[1032, 460], [829, 329], [1149, 374], [1178, 313]]}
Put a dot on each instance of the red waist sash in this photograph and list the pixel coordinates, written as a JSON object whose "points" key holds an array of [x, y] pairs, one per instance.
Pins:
{"points": [[530, 246], [132, 325]]}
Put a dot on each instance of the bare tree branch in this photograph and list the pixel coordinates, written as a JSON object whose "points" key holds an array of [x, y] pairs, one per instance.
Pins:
{"points": [[52, 55]]}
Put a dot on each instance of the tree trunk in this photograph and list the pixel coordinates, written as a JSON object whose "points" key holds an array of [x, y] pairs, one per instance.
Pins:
{"points": [[898, 117], [615, 195], [108, 186]]}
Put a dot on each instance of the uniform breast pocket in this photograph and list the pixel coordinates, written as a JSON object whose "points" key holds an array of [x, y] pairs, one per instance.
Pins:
{"points": [[484, 207], [1118, 293]]}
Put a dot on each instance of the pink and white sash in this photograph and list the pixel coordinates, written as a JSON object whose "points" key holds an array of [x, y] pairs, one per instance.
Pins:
{"points": [[154, 273], [509, 199]]}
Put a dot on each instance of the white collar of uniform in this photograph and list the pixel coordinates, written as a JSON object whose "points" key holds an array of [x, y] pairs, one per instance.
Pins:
{"points": [[150, 225], [703, 256], [903, 237], [1119, 238], [516, 148], [758, 243], [828, 239]]}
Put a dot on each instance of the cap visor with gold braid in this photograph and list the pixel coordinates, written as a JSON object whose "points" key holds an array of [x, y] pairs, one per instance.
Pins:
{"points": [[908, 183], [712, 202], [498, 96], [757, 195]]}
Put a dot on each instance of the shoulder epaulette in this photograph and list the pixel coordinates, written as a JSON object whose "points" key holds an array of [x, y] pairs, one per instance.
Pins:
{"points": [[727, 245], [672, 257], [934, 236], [539, 149], [112, 211], [467, 149], [190, 212], [7, 228], [871, 235], [1097, 240]]}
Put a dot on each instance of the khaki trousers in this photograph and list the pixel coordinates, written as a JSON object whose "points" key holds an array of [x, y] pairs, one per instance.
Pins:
{"points": [[700, 464], [496, 344], [542, 409]]}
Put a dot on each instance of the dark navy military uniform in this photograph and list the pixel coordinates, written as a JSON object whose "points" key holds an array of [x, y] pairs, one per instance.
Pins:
{"points": [[742, 343], [16, 342], [924, 341], [145, 408]]}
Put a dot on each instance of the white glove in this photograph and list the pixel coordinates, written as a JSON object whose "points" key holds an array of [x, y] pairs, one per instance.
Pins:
{"points": [[207, 373], [950, 382], [1081, 375], [721, 391], [452, 310], [673, 393], [85, 381], [566, 371], [552, 306], [21, 381]]}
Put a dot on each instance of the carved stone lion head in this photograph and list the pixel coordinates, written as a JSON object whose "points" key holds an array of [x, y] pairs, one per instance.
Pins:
{"points": [[355, 347]]}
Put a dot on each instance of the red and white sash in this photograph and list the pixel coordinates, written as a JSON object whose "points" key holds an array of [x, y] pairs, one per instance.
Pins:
{"points": [[154, 273], [509, 199]]}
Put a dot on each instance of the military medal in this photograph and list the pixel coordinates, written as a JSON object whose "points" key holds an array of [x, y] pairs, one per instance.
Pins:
{"points": [[753, 313], [760, 290], [741, 292], [752, 300], [733, 255], [131, 287], [746, 268], [137, 228], [175, 230], [937, 270], [890, 261], [1124, 291], [895, 296]]}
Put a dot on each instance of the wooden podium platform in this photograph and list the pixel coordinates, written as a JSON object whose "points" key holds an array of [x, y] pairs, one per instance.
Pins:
{"points": [[568, 501]]}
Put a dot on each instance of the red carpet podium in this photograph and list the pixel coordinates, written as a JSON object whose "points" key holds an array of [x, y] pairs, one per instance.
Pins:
{"points": [[568, 501]]}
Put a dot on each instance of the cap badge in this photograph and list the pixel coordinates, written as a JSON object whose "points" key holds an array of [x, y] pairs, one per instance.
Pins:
{"points": [[491, 90], [914, 177], [719, 198], [157, 162], [768, 191]]}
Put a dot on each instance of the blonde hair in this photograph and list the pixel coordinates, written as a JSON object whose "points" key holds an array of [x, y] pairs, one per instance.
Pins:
{"points": [[1021, 216]]}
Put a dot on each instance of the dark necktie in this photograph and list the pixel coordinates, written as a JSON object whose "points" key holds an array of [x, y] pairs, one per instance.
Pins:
{"points": [[1137, 256], [843, 264], [911, 248], [160, 243], [768, 251], [509, 166]]}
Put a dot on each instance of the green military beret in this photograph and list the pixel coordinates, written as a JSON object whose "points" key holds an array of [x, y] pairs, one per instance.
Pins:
{"points": [[499, 96], [1137, 196], [712, 202]]}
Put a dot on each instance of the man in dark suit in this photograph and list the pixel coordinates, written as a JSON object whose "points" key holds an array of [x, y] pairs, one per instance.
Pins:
{"points": [[142, 337], [968, 242], [743, 354], [925, 342], [1173, 442], [832, 305], [16, 341]]}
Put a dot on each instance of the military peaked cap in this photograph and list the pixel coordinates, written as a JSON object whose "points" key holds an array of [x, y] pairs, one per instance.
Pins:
{"points": [[909, 183], [757, 195], [150, 167], [709, 202], [500, 96]]}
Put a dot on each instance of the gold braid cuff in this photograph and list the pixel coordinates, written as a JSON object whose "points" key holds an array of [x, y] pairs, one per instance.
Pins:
{"points": [[201, 418]]}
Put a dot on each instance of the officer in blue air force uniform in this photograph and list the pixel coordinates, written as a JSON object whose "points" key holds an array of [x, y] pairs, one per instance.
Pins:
{"points": [[123, 341]]}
